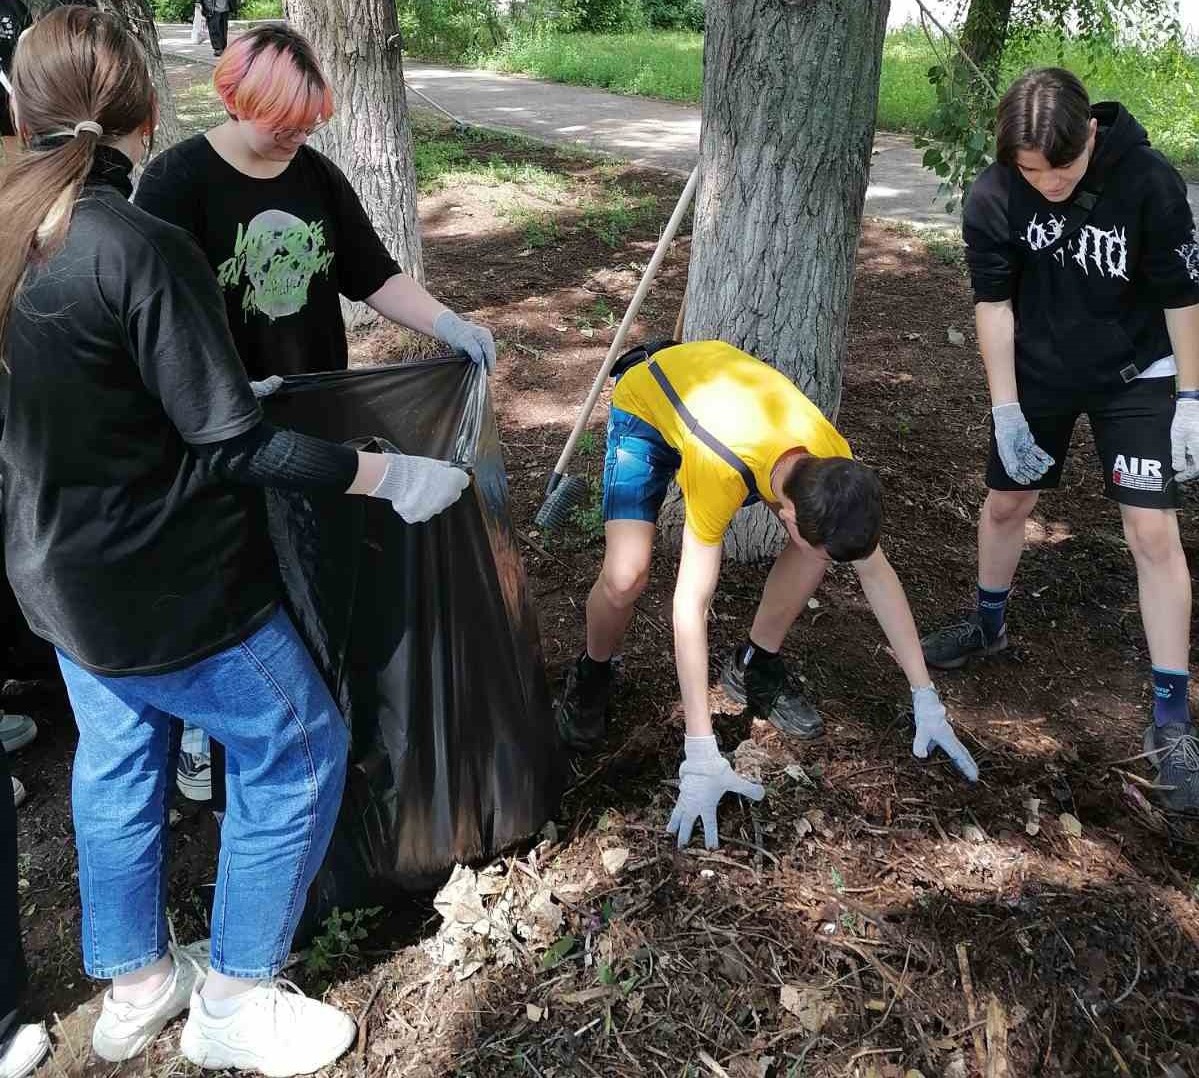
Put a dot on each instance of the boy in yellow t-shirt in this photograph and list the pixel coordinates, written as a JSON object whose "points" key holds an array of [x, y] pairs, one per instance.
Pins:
{"points": [[733, 430]]}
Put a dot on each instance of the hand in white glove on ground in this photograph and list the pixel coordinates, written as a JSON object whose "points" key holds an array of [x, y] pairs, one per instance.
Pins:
{"points": [[704, 778], [932, 728]]}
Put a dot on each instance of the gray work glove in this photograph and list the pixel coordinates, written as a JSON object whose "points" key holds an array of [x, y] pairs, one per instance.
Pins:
{"points": [[1184, 440], [463, 336], [704, 778], [1023, 459], [932, 728], [420, 487], [267, 386]]}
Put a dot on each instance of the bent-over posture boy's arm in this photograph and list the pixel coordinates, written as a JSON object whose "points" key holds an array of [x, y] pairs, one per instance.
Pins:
{"points": [[886, 596], [699, 571]]}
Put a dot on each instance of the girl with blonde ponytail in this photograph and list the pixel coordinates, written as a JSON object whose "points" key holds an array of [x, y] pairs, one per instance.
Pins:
{"points": [[132, 453]]}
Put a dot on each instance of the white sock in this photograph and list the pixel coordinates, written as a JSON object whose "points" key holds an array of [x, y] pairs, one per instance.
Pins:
{"points": [[144, 986], [223, 995]]}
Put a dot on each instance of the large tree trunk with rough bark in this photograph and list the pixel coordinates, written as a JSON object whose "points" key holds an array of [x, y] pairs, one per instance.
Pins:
{"points": [[358, 45], [138, 18], [790, 95]]}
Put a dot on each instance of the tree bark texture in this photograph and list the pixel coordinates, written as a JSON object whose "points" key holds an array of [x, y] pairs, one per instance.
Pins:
{"points": [[358, 45], [984, 35], [138, 18], [789, 103]]}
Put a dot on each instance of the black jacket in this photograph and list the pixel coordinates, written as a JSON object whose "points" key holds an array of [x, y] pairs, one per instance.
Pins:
{"points": [[1088, 315]]}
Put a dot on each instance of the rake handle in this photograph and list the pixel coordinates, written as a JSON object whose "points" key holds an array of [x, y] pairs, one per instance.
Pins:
{"points": [[626, 323]]}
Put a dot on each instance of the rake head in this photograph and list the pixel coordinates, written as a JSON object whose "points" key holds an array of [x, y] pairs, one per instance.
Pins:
{"points": [[566, 493]]}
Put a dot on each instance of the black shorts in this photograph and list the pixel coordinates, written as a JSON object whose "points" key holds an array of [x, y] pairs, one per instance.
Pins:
{"points": [[1131, 427]]}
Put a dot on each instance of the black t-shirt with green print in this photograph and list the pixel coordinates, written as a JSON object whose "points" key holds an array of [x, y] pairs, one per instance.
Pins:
{"points": [[283, 249]]}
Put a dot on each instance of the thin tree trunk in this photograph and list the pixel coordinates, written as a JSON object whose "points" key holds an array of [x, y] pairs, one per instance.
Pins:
{"points": [[984, 35], [790, 95], [138, 18], [358, 44]]}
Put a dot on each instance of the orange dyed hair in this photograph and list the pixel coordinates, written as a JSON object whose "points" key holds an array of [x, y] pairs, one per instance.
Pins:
{"points": [[270, 76]]}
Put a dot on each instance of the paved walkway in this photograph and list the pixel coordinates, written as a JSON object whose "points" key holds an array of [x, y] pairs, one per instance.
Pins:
{"points": [[649, 132]]}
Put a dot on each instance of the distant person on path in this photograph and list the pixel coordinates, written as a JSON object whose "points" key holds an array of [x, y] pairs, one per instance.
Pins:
{"points": [[132, 457], [216, 14], [733, 431], [1085, 267]]}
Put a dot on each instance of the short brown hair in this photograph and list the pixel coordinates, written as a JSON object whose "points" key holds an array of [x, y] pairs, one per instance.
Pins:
{"points": [[1046, 109], [838, 505]]}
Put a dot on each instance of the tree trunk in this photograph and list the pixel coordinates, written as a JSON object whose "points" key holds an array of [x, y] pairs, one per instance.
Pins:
{"points": [[984, 35], [790, 95], [138, 18], [358, 44]]}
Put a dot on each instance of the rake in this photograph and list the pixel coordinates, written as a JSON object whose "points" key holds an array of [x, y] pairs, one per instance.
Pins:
{"points": [[564, 493]]}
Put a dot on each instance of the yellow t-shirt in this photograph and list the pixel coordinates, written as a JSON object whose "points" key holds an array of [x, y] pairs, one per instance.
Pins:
{"points": [[749, 406]]}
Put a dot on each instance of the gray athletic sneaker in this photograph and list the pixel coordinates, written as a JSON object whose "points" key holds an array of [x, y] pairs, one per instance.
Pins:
{"points": [[1174, 751], [951, 647]]}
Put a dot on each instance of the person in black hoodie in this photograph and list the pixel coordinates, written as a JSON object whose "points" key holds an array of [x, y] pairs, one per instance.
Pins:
{"points": [[1085, 268]]}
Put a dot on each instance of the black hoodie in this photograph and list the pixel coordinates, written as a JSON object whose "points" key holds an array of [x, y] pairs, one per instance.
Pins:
{"points": [[1089, 315]]}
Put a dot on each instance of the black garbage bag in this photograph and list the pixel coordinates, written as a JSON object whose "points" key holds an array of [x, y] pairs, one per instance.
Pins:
{"points": [[424, 633]]}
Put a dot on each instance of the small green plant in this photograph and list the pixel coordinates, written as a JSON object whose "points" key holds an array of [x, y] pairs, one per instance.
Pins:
{"points": [[617, 214], [586, 444], [538, 229], [589, 517], [903, 424], [601, 311], [338, 939]]}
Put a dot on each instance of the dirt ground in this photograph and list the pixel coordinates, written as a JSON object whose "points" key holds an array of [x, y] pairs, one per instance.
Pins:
{"points": [[874, 915]]}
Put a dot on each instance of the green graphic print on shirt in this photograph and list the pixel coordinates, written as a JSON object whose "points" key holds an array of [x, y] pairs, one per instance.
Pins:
{"points": [[279, 254]]}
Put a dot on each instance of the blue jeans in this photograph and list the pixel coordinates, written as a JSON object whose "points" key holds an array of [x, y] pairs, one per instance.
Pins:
{"points": [[287, 746]]}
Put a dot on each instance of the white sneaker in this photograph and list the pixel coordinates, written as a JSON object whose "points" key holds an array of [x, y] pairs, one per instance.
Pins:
{"points": [[276, 1029], [125, 1029], [21, 1053], [16, 731], [18, 793]]}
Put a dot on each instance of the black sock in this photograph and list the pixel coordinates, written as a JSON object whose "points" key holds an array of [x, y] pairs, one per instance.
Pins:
{"points": [[751, 654], [590, 668]]}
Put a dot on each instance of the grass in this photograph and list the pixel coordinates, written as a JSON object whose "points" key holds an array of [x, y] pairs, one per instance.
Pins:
{"points": [[1160, 87], [666, 64]]}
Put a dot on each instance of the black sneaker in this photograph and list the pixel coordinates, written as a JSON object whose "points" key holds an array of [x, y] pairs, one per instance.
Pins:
{"points": [[772, 696], [951, 647], [582, 713], [1174, 751]]}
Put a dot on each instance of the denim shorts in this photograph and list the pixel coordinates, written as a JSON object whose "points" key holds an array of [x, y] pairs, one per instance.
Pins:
{"points": [[638, 468]]}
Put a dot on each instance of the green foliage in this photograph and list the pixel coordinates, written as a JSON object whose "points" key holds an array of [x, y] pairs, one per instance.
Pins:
{"points": [[558, 952], [588, 518], [338, 939], [674, 14], [173, 10], [450, 29], [611, 16], [260, 9], [661, 63]]}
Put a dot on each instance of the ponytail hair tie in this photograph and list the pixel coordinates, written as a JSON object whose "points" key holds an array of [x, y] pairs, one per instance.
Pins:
{"points": [[88, 125]]}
